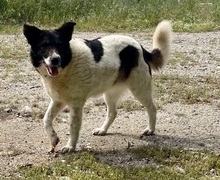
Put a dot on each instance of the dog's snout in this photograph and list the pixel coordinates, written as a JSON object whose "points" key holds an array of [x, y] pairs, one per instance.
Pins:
{"points": [[55, 61]]}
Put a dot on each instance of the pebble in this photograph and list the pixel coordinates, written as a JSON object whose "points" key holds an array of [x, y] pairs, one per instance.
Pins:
{"points": [[8, 110], [26, 111], [212, 171], [201, 144], [180, 170]]}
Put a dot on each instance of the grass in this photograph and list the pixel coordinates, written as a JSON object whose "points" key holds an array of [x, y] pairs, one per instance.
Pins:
{"points": [[182, 59], [176, 88], [111, 16], [13, 48], [170, 88], [11, 52], [130, 105], [160, 163], [183, 88]]}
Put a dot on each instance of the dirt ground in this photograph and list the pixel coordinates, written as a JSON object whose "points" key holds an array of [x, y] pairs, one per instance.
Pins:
{"points": [[23, 141]]}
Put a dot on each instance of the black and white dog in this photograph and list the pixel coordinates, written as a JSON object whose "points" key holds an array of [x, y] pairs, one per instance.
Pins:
{"points": [[72, 70]]}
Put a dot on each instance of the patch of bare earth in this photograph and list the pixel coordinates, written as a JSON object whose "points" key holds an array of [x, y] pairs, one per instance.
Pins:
{"points": [[23, 141]]}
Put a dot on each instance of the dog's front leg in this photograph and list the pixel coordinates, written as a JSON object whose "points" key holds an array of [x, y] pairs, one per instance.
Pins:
{"points": [[75, 125], [53, 109]]}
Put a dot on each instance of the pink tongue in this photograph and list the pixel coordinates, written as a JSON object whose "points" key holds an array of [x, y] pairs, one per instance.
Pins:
{"points": [[53, 71]]}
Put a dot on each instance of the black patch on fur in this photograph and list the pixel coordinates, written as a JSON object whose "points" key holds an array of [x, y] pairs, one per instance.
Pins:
{"points": [[50, 40], [43, 42], [156, 54], [147, 57], [129, 60], [96, 48]]}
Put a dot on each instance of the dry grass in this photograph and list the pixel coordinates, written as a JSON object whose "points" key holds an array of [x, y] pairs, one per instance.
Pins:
{"points": [[183, 89]]}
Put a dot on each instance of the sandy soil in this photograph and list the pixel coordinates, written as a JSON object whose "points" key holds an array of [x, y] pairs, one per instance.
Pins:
{"points": [[23, 102]]}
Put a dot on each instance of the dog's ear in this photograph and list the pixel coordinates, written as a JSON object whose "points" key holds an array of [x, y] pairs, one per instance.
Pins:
{"points": [[31, 33], [66, 30]]}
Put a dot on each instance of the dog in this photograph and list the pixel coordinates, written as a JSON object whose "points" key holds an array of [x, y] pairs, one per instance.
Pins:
{"points": [[73, 69]]}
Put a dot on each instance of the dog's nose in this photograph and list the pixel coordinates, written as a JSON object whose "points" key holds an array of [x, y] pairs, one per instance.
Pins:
{"points": [[55, 61]]}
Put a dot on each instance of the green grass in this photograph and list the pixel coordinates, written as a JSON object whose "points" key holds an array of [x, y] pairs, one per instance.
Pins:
{"points": [[160, 163], [111, 15]]}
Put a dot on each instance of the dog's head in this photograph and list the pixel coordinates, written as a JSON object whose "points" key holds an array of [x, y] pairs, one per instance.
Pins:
{"points": [[50, 49]]}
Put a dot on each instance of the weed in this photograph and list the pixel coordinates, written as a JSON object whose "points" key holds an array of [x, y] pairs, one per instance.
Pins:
{"points": [[112, 16]]}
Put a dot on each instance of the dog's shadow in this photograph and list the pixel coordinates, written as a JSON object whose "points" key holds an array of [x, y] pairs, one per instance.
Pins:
{"points": [[124, 156], [199, 143], [208, 142]]}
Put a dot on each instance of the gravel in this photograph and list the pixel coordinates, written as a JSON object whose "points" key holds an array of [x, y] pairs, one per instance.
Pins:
{"points": [[23, 141]]}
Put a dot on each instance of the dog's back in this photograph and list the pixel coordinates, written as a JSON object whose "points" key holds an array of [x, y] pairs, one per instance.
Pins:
{"points": [[109, 60]]}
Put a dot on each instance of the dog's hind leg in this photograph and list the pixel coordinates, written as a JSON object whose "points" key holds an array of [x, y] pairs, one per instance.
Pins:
{"points": [[141, 88], [111, 97], [53, 109]]}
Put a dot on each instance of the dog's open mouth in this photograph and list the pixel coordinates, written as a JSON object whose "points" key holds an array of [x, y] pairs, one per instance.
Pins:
{"points": [[52, 70]]}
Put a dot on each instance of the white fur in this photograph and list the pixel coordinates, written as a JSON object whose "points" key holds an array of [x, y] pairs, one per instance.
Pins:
{"points": [[84, 78], [162, 37]]}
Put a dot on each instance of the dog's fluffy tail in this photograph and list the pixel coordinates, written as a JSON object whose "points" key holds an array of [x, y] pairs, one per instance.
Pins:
{"points": [[161, 45]]}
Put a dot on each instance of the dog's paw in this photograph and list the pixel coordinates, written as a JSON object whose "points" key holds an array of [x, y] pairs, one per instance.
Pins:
{"points": [[51, 150], [99, 132], [54, 141], [147, 132], [67, 149]]}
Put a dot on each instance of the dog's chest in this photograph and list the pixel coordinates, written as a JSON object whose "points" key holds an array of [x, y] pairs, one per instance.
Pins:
{"points": [[65, 89], [54, 89], [57, 89]]}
